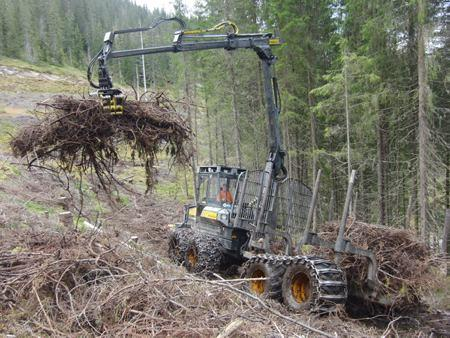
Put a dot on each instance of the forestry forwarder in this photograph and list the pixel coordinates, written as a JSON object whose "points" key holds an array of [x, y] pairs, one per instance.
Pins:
{"points": [[264, 223]]}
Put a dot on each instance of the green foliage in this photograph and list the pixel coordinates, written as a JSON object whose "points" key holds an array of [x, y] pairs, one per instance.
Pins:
{"points": [[6, 130], [8, 171], [35, 207], [364, 50], [63, 32], [175, 189]]}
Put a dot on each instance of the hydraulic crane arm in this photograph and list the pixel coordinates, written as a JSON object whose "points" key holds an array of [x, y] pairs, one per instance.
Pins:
{"points": [[197, 40]]}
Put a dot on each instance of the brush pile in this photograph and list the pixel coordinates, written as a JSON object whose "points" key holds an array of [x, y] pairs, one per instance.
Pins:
{"points": [[91, 284], [77, 134], [405, 264]]}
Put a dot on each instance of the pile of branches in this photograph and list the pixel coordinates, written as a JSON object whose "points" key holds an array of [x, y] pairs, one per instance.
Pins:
{"points": [[405, 264], [79, 134], [83, 284]]}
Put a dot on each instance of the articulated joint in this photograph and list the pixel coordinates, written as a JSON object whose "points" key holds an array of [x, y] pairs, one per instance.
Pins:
{"points": [[265, 54]]}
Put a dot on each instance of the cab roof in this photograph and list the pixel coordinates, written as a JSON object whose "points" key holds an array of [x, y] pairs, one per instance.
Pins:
{"points": [[227, 170]]}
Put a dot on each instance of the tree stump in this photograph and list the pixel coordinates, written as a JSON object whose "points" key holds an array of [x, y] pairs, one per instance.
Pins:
{"points": [[66, 218]]}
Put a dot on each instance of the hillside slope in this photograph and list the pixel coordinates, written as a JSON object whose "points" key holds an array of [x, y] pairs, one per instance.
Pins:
{"points": [[162, 299]]}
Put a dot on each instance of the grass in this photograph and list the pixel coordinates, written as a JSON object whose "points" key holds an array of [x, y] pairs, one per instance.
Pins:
{"points": [[70, 80], [442, 294], [37, 208], [6, 130], [8, 171], [175, 188], [17, 85], [169, 186], [43, 68]]}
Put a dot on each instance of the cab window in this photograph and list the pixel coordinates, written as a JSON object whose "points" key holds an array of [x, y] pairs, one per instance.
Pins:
{"points": [[209, 188]]}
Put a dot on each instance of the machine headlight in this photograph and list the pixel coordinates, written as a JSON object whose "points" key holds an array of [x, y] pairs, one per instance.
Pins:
{"points": [[223, 216]]}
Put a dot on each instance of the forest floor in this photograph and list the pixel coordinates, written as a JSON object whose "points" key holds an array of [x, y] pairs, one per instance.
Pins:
{"points": [[186, 305]]}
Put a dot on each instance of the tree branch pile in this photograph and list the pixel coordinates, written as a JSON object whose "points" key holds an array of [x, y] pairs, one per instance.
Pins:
{"points": [[75, 284], [406, 266], [78, 134]]}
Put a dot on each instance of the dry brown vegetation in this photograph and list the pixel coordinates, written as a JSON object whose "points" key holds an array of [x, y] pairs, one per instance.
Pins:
{"points": [[68, 282], [77, 134], [408, 270]]}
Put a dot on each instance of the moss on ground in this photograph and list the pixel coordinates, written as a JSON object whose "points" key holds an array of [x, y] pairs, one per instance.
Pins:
{"points": [[8, 171], [6, 130]]}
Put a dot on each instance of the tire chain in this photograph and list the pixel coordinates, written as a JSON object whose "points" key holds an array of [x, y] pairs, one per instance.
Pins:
{"points": [[278, 269], [182, 237], [209, 252], [329, 284]]}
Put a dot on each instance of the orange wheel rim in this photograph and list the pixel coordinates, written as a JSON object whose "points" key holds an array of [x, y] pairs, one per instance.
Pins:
{"points": [[257, 286], [301, 287], [192, 257]]}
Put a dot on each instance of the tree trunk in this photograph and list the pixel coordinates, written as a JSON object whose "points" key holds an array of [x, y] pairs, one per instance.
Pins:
{"points": [[119, 66], [423, 126], [216, 139], [331, 207], [298, 164], [237, 130], [186, 185], [381, 179], [208, 128], [137, 82], [446, 240], [447, 180], [347, 119], [195, 116], [288, 147], [409, 212], [313, 145], [187, 93], [224, 145]]}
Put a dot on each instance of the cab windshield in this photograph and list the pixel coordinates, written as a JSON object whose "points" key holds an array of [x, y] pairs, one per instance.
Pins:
{"points": [[217, 190]]}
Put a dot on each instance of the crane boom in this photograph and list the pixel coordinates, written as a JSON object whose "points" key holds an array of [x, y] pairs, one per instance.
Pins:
{"points": [[197, 40]]}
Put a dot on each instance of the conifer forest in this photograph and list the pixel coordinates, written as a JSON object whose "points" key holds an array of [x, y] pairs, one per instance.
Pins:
{"points": [[361, 91]]}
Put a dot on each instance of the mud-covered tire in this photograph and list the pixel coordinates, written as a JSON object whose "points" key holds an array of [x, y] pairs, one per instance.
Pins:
{"points": [[204, 254], [178, 244], [273, 270], [313, 283]]}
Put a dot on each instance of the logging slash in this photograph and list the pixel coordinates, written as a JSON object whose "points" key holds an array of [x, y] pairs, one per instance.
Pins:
{"points": [[78, 134]]}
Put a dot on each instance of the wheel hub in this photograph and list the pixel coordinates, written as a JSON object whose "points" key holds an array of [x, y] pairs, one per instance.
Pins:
{"points": [[192, 257], [300, 287], [257, 286]]}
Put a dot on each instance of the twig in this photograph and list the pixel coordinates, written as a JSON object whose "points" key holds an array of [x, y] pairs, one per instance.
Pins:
{"points": [[265, 306], [49, 322]]}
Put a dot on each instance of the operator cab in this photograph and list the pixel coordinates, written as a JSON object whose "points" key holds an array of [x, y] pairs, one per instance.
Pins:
{"points": [[216, 186]]}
